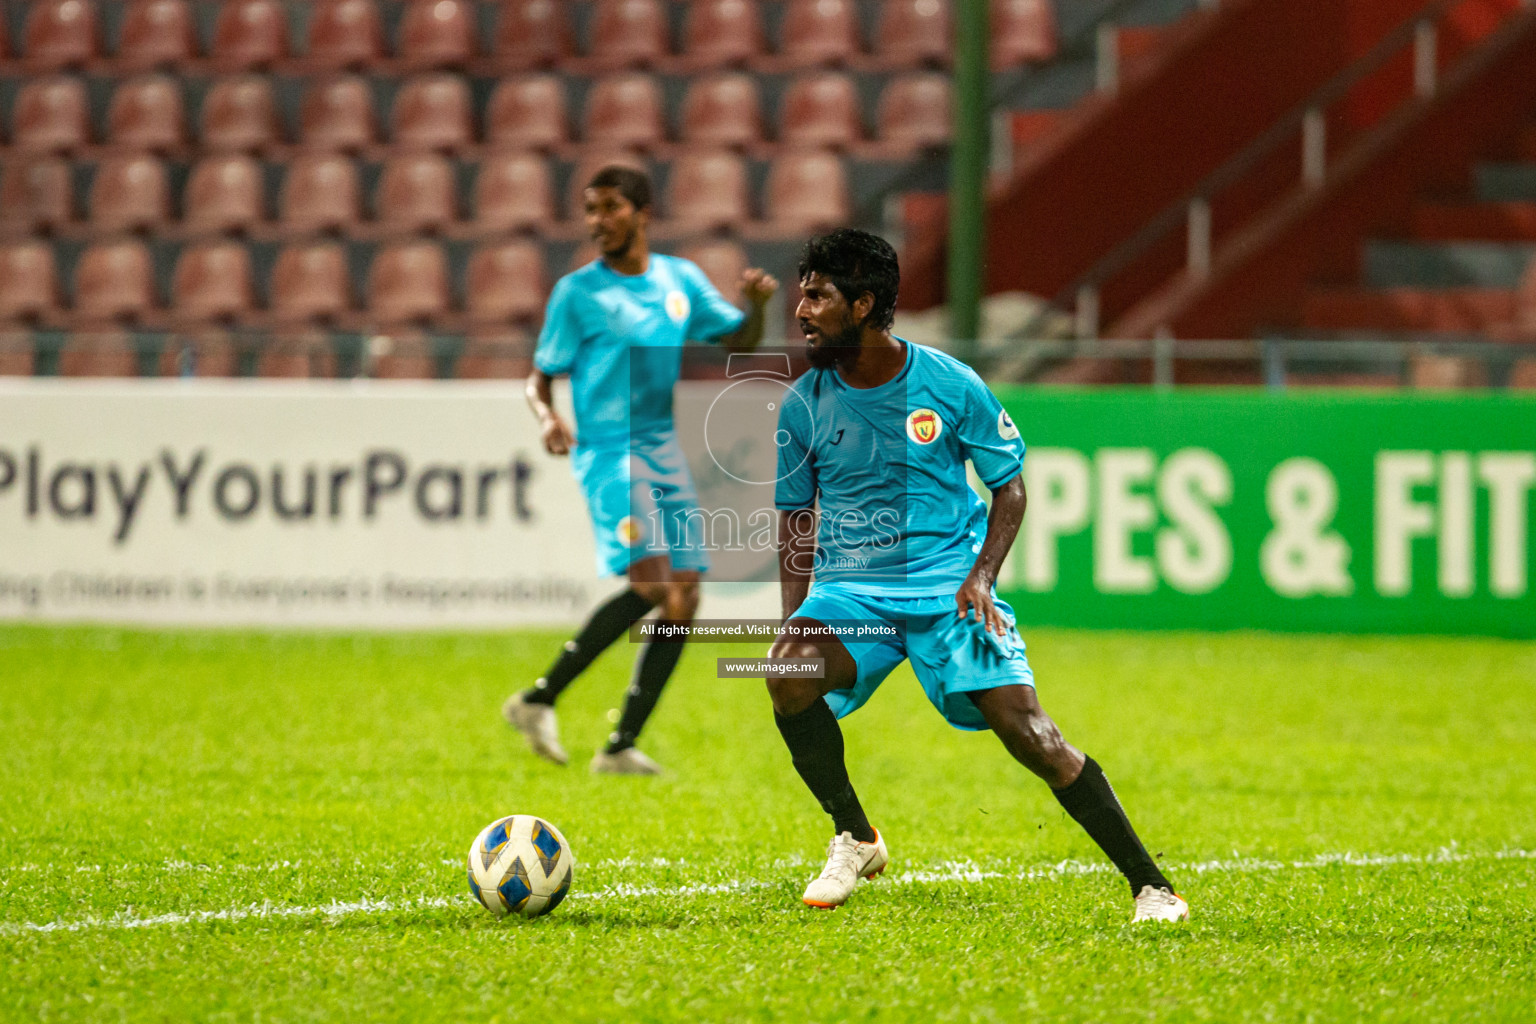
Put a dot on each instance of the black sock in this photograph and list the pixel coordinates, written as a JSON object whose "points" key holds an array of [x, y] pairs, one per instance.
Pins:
{"points": [[816, 746], [606, 625], [1093, 804], [652, 670]]}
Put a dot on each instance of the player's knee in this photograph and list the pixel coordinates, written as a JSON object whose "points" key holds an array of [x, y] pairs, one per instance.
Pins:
{"points": [[654, 591], [791, 693], [682, 601]]}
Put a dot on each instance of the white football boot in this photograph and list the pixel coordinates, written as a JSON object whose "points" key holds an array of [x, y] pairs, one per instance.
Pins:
{"points": [[1160, 905], [629, 761], [538, 723], [847, 861]]}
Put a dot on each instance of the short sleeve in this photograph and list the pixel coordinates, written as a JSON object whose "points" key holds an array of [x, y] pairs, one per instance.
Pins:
{"points": [[988, 436], [710, 316], [561, 337], [796, 477]]}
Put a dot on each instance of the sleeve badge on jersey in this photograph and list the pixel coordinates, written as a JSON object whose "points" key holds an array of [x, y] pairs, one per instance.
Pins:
{"points": [[924, 426], [629, 532], [1005, 428], [677, 306]]}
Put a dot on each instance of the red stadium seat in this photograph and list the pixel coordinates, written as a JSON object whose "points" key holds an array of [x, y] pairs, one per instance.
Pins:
{"points": [[495, 353], [147, 113], [35, 193], [345, 34], [513, 192], [913, 33], [527, 112], [29, 285], [212, 283], [205, 351], [129, 193], [408, 283], [402, 354], [506, 282], [431, 111], [437, 34], [723, 263], [720, 33], [338, 114], [320, 193], [250, 34], [297, 354], [18, 351], [51, 115], [807, 191], [223, 194], [239, 115], [819, 32], [723, 110], [532, 34], [628, 34], [416, 194], [98, 350], [310, 283], [821, 109], [626, 111], [1023, 31], [60, 34], [156, 34], [114, 280], [708, 190], [916, 111]]}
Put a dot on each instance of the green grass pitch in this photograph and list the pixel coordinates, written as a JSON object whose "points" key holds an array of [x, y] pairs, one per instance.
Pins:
{"points": [[240, 826]]}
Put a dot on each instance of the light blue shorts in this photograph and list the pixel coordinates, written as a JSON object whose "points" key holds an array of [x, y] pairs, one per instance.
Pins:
{"points": [[641, 500], [950, 656]]}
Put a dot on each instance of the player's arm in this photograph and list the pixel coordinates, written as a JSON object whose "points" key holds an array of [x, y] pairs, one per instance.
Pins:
{"points": [[757, 287], [558, 439], [797, 556], [975, 595]]}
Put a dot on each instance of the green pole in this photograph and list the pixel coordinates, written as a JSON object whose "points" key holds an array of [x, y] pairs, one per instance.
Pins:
{"points": [[968, 177]]}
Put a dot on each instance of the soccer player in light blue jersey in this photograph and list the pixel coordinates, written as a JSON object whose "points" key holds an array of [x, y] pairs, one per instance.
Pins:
{"points": [[887, 555], [616, 327]]}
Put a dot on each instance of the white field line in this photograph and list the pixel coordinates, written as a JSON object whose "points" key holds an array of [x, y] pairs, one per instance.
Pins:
{"points": [[958, 871]]}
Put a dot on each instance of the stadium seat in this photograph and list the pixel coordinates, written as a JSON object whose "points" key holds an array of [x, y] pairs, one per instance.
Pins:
{"points": [[320, 193], [513, 192], [723, 110], [338, 114], [51, 115], [18, 352], [212, 283], [495, 353], [821, 109], [239, 115], [722, 33], [527, 112], [627, 34], [155, 34], [590, 163], [344, 34], [506, 282], [206, 351], [408, 283], [223, 194], [818, 32], [807, 191], [402, 354], [146, 114], [36, 193], [913, 33], [531, 34], [624, 110], [310, 283], [60, 34], [296, 354], [915, 111], [250, 35], [1522, 375], [1023, 32], [98, 350], [416, 194], [432, 111], [29, 285], [129, 193], [723, 263], [707, 191], [436, 34], [113, 281]]}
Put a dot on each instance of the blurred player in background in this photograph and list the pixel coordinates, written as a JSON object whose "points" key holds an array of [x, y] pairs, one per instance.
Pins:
{"points": [[616, 327], [879, 440]]}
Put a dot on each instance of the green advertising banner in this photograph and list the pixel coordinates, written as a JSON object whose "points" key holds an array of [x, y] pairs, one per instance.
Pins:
{"points": [[1326, 511]]}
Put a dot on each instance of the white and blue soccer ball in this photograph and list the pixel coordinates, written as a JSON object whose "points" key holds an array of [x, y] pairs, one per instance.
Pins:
{"points": [[520, 865]]}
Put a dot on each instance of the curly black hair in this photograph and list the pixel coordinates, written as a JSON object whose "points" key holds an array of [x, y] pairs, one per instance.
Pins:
{"points": [[631, 183], [856, 262]]}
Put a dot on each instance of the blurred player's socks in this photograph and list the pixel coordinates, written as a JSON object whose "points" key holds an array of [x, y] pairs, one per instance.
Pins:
{"points": [[652, 670], [606, 625], [1092, 803], [816, 746]]}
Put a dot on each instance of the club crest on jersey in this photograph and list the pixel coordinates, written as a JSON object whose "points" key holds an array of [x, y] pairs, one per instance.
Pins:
{"points": [[677, 306], [1005, 428], [628, 531], [924, 426]]}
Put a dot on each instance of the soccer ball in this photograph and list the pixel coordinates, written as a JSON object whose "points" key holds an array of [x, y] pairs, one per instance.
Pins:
{"points": [[520, 865]]}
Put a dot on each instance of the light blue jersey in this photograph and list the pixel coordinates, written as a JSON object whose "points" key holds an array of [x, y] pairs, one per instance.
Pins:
{"points": [[887, 466], [620, 338]]}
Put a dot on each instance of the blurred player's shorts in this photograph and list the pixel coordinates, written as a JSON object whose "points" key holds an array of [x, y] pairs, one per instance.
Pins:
{"points": [[642, 503]]}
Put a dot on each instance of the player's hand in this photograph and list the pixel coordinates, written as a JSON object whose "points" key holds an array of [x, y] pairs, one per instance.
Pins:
{"points": [[758, 286], [558, 439], [974, 600]]}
